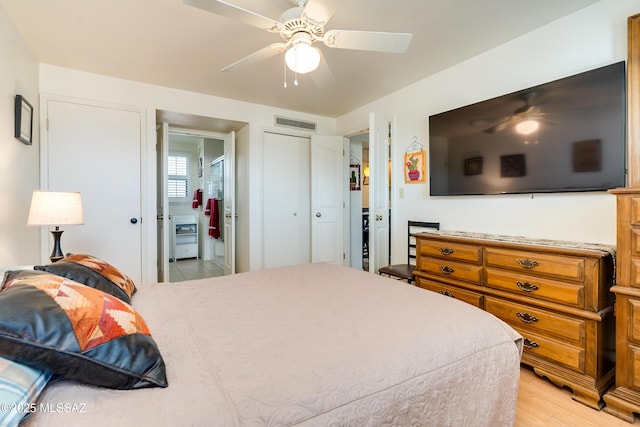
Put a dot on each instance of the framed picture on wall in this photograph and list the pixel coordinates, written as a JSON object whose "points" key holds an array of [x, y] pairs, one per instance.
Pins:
{"points": [[587, 156], [23, 127], [513, 166], [415, 167], [354, 177], [473, 166]]}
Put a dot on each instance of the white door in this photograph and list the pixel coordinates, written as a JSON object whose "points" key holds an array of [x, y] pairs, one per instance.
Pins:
{"points": [[378, 193], [229, 204], [286, 203], [327, 199], [96, 149], [163, 218]]}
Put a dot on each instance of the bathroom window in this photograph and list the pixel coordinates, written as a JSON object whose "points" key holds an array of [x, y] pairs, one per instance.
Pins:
{"points": [[178, 184]]}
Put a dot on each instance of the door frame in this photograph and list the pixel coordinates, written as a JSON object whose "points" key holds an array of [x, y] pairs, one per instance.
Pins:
{"points": [[172, 129], [393, 185]]}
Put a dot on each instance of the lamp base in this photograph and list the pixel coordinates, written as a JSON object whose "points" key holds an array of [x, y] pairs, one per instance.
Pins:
{"points": [[56, 255]]}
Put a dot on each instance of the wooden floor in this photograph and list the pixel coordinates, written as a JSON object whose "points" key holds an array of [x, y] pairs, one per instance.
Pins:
{"points": [[541, 403]]}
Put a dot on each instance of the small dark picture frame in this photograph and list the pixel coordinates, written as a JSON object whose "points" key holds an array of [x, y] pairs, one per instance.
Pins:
{"points": [[513, 166], [23, 120], [473, 166]]}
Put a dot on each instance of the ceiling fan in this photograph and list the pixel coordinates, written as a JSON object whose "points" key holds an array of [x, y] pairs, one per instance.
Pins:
{"points": [[300, 27], [525, 119]]}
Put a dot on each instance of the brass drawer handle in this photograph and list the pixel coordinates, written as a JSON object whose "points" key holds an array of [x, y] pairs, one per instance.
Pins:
{"points": [[446, 251], [527, 263], [530, 344], [446, 270], [449, 294], [526, 317], [527, 287]]}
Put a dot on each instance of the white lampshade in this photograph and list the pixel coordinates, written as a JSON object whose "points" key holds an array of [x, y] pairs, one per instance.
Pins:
{"points": [[55, 208], [302, 58]]}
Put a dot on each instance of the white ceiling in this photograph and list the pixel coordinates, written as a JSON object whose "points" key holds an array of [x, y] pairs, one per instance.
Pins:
{"points": [[168, 43]]}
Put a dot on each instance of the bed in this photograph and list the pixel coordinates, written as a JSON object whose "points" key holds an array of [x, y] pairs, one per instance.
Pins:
{"points": [[308, 345]]}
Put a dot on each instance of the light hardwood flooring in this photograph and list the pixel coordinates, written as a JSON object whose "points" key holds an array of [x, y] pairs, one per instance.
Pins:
{"points": [[541, 403]]}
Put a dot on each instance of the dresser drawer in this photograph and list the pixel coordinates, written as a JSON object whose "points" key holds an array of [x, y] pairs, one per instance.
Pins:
{"points": [[633, 356], [634, 263], [565, 267], [537, 320], [565, 354], [635, 241], [634, 204], [633, 331], [536, 287], [451, 270], [470, 297], [454, 251]]}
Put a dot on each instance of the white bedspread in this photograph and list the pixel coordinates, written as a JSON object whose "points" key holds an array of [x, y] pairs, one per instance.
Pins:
{"points": [[311, 345]]}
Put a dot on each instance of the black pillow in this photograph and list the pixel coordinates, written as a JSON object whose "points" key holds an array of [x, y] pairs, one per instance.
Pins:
{"points": [[93, 272], [52, 323]]}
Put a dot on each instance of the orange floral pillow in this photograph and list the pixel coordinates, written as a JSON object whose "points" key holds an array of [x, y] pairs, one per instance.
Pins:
{"points": [[54, 324], [93, 272]]}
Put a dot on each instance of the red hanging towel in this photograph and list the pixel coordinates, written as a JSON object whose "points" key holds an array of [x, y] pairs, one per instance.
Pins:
{"points": [[209, 207], [197, 199], [214, 219]]}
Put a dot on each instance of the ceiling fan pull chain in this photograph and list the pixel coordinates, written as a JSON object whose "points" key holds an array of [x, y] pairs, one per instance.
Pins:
{"points": [[285, 74]]}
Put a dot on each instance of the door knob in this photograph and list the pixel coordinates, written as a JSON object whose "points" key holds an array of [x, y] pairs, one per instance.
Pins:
{"points": [[318, 214], [133, 220], [378, 217]]}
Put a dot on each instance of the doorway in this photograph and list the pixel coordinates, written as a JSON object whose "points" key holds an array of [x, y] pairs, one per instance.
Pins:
{"points": [[370, 203], [236, 245], [196, 247], [359, 200]]}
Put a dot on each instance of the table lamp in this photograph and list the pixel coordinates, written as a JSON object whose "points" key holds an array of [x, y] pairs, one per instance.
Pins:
{"points": [[55, 208]]}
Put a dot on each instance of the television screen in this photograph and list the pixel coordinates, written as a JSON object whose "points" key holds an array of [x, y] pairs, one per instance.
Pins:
{"points": [[566, 135]]}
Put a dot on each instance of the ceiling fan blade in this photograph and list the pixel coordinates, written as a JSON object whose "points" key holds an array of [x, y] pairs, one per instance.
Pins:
{"points": [[368, 40], [323, 76], [481, 122], [237, 13], [499, 127], [320, 11], [255, 57]]}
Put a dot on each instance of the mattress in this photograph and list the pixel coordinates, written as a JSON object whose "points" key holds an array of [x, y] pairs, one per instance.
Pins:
{"points": [[308, 345]]}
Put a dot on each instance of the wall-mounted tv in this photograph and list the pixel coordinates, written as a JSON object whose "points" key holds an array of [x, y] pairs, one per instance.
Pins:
{"points": [[563, 136]]}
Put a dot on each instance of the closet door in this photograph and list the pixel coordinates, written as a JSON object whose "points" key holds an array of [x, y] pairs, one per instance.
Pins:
{"points": [[287, 226], [96, 149]]}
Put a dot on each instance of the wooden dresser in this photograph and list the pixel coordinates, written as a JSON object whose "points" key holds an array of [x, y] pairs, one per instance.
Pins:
{"points": [[624, 399], [555, 294]]}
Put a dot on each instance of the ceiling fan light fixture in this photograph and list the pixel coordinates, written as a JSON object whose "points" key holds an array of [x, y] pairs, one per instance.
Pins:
{"points": [[302, 58], [527, 127]]}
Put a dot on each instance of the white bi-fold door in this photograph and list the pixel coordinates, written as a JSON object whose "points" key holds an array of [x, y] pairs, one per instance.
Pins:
{"points": [[302, 199]]}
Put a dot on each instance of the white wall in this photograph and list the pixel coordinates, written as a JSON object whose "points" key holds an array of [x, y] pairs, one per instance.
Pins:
{"points": [[590, 38], [19, 165], [76, 84], [587, 39]]}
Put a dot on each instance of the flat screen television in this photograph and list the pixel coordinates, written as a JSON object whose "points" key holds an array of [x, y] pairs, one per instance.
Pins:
{"points": [[567, 135]]}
